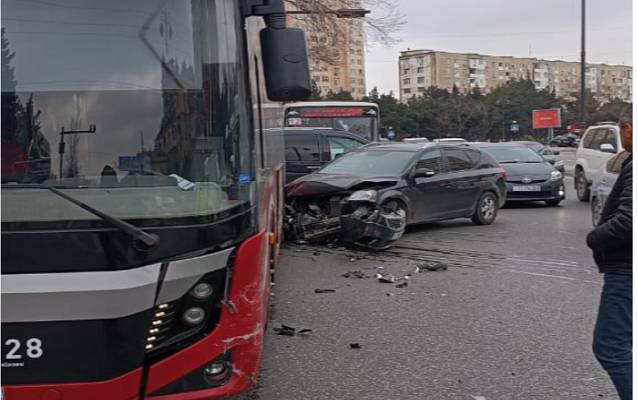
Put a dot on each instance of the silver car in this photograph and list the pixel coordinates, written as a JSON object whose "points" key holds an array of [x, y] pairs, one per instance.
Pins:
{"points": [[603, 183]]}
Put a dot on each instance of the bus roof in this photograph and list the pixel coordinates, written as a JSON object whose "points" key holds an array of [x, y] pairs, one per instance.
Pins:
{"points": [[330, 104]]}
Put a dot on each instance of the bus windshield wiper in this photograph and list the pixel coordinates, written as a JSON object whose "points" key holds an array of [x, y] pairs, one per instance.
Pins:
{"points": [[149, 240]]}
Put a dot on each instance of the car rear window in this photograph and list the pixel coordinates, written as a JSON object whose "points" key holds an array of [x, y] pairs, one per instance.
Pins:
{"points": [[301, 147], [458, 160]]}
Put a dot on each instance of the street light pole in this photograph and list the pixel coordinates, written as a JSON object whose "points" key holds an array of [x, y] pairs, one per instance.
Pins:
{"points": [[62, 144], [340, 13], [582, 99]]}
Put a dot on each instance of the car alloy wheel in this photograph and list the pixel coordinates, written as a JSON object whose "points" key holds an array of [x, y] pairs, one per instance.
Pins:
{"points": [[487, 208], [581, 187]]}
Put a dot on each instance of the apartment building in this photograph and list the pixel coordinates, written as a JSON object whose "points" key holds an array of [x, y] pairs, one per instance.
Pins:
{"points": [[336, 54], [420, 69]]}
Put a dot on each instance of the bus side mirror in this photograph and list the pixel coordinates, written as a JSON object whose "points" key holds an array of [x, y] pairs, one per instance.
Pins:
{"points": [[285, 65]]}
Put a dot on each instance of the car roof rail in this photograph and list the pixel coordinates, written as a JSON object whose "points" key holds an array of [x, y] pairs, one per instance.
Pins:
{"points": [[606, 123]]}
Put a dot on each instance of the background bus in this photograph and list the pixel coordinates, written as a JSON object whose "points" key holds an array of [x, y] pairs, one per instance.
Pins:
{"points": [[353, 116]]}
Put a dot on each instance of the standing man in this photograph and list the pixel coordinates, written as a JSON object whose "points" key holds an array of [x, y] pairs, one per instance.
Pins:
{"points": [[612, 245]]}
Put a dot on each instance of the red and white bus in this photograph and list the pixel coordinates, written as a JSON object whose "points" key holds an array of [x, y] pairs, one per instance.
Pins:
{"points": [[357, 117], [140, 268]]}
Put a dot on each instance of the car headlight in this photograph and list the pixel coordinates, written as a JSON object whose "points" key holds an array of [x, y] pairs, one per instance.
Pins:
{"points": [[559, 163], [556, 175], [363, 195]]}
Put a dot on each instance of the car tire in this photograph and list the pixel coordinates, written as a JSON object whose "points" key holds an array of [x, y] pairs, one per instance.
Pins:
{"points": [[553, 203], [582, 188], [596, 210], [486, 209]]}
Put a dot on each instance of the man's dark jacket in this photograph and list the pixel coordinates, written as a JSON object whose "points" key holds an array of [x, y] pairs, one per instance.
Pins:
{"points": [[612, 239]]}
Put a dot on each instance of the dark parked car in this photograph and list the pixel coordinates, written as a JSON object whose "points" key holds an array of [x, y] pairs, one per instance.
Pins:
{"points": [[548, 154], [309, 149], [369, 195], [568, 140], [529, 176]]}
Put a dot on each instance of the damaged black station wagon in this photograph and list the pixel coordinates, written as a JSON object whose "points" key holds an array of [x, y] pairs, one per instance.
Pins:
{"points": [[369, 196]]}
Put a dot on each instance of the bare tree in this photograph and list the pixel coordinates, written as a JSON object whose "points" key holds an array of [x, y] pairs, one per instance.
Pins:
{"points": [[326, 31]]}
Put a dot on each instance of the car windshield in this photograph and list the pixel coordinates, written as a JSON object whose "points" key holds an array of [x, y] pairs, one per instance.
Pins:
{"points": [[136, 109], [536, 147], [513, 155], [370, 163]]}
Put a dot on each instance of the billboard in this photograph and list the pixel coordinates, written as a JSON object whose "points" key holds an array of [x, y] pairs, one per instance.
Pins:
{"points": [[549, 118]]}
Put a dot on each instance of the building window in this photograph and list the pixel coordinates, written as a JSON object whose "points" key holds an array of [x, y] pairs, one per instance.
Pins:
{"points": [[405, 71], [421, 89], [407, 91], [325, 79], [337, 81], [316, 78], [420, 70], [361, 81], [406, 81], [421, 79]]}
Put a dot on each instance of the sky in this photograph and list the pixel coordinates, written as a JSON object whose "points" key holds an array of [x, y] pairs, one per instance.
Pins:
{"points": [[548, 29]]}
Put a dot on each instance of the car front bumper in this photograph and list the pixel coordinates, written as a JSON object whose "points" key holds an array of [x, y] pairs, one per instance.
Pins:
{"points": [[549, 190]]}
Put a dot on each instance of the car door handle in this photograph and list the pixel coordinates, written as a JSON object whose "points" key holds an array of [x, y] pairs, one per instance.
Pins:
{"points": [[313, 167]]}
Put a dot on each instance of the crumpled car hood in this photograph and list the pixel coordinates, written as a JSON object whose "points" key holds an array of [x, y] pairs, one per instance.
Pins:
{"points": [[320, 184]]}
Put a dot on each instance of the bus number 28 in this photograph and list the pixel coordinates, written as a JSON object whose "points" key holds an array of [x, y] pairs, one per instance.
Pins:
{"points": [[33, 348]]}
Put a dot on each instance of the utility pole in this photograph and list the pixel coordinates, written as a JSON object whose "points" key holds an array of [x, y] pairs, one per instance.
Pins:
{"points": [[582, 97]]}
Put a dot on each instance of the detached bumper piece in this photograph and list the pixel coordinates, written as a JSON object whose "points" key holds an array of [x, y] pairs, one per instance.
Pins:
{"points": [[372, 229]]}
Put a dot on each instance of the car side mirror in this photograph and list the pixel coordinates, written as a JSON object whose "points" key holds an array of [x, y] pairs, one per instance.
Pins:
{"points": [[285, 65], [424, 173], [607, 148]]}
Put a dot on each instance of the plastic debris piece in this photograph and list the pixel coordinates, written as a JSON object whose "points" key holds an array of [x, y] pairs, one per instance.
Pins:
{"points": [[355, 346], [386, 278], [402, 285], [355, 274], [286, 330], [324, 291], [431, 267]]}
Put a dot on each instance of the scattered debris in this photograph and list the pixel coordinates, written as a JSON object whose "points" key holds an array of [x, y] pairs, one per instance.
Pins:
{"points": [[353, 259], [386, 278], [402, 285], [285, 330], [355, 346], [324, 291], [316, 253], [389, 294], [431, 267], [355, 274]]}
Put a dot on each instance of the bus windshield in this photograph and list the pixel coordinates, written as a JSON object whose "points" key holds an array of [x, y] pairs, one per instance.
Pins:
{"points": [[138, 109], [359, 120]]}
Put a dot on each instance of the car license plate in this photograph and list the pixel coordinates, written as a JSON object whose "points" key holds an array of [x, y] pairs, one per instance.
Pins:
{"points": [[529, 188]]}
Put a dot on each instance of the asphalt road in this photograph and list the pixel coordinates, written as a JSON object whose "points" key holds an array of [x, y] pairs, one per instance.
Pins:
{"points": [[511, 318]]}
